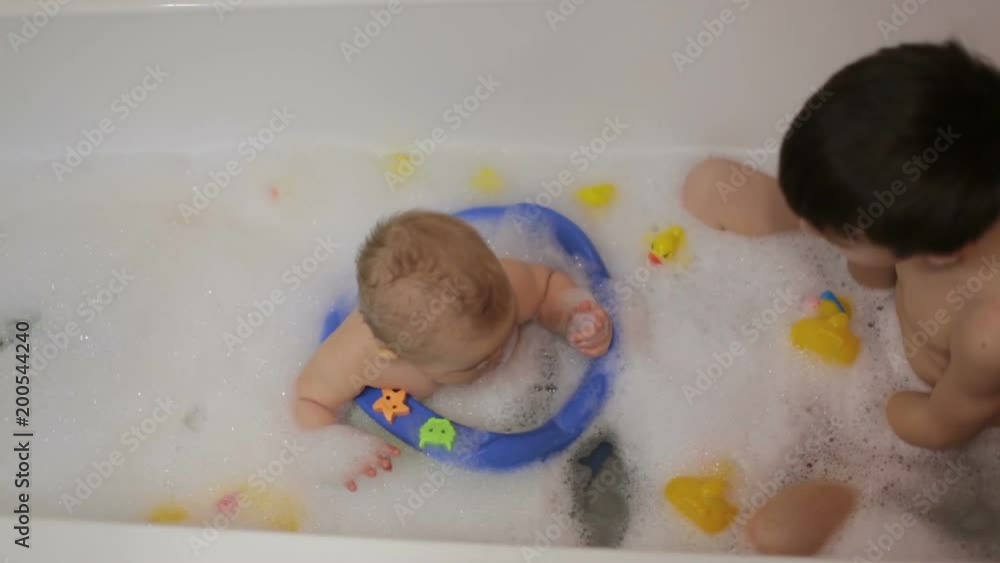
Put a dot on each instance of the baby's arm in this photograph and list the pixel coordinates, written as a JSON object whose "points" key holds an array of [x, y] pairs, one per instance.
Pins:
{"points": [[325, 384], [966, 400], [721, 195], [329, 381], [558, 304]]}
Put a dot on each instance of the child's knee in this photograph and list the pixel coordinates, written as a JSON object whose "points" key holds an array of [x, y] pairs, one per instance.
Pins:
{"points": [[700, 193]]}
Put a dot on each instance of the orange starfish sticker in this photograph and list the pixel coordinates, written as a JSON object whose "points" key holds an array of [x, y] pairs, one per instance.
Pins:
{"points": [[392, 404]]}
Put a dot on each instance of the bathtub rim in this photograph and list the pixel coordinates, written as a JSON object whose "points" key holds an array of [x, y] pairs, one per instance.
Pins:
{"points": [[56, 539]]}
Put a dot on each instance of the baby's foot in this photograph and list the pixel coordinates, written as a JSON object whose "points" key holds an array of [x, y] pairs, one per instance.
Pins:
{"points": [[589, 329]]}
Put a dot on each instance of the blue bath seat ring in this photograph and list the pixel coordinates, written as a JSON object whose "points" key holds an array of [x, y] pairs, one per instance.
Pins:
{"points": [[494, 451]]}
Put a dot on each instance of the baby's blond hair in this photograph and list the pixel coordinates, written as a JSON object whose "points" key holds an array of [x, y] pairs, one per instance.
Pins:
{"points": [[425, 276]]}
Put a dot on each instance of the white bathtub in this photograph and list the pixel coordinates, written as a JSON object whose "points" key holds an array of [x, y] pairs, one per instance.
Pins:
{"points": [[565, 66]]}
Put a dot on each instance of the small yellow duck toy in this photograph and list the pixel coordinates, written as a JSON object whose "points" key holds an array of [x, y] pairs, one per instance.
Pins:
{"points": [[828, 333], [666, 246], [597, 196], [702, 499], [487, 181]]}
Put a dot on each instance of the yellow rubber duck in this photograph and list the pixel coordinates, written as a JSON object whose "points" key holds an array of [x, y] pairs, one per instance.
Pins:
{"points": [[167, 514], [487, 181], [597, 196], [398, 170], [702, 500], [666, 245], [263, 509], [828, 334]]}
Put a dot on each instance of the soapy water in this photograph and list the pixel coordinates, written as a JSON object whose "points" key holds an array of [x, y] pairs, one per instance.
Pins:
{"points": [[165, 345]]}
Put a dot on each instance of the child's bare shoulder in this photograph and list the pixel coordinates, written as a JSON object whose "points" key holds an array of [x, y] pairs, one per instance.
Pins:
{"points": [[331, 365]]}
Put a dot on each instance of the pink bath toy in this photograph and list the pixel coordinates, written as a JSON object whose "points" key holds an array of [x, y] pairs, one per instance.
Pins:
{"points": [[229, 504]]}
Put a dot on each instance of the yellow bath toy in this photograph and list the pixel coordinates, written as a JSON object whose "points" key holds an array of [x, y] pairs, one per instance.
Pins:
{"points": [[399, 169], [487, 180], [702, 500], [597, 196], [167, 514], [828, 334], [263, 509], [666, 245]]}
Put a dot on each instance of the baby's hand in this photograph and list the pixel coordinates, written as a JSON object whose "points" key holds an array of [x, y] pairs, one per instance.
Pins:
{"points": [[380, 456], [589, 329], [341, 453]]}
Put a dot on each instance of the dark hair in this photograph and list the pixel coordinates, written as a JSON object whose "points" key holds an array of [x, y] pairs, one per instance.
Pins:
{"points": [[853, 160]]}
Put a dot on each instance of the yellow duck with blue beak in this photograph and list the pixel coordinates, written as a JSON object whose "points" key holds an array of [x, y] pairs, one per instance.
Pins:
{"points": [[828, 334]]}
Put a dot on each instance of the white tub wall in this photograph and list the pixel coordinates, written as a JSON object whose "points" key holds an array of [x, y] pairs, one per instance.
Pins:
{"points": [[610, 58]]}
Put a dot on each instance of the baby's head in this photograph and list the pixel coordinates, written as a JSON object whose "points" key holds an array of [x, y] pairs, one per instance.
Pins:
{"points": [[433, 293], [896, 156]]}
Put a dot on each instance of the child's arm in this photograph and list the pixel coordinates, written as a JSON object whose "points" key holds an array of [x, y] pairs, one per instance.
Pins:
{"points": [[721, 195], [966, 400], [329, 381], [324, 386], [558, 304]]}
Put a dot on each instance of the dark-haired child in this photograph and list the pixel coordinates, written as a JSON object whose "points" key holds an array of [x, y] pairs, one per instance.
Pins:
{"points": [[899, 168]]}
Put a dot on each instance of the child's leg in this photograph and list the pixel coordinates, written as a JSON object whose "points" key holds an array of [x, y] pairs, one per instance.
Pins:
{"points": [[728, 196]]}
